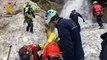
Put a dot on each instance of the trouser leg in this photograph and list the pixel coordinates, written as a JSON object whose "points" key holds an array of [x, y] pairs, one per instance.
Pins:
{"points": [[31, 27], [28, 27], [100, 23], [99, 20]]}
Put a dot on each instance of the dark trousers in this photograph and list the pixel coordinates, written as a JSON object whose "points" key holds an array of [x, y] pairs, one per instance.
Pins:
{"points": [[99, 20], [26, 57], [30, 26]]}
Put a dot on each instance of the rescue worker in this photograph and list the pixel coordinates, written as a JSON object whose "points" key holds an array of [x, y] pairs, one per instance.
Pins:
{"points": [[97, 12], [27, 51], [103, 53], [52, 34], [29, 15], [74, 16], [51, 51], [70, 40]]}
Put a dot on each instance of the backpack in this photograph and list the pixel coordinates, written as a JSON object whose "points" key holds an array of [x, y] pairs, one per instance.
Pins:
{"points": [[22, 53]]}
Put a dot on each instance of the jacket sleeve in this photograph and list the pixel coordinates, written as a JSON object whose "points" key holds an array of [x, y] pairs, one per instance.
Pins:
{"points": [[80, 15], [101, 9], [105, 53], [44, 56], [70, 16], [66, 42]]}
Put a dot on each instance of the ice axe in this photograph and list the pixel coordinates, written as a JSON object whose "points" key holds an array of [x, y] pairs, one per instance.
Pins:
{"points": [[9, 52]]}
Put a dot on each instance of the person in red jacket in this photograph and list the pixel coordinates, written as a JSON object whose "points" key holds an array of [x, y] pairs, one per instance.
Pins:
{"points": [[97, 12], [51, 52], [27, 51]]}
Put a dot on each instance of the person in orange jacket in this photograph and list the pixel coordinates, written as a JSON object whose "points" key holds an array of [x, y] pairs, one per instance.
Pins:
{"points": [[97, 12], [51, 51]]}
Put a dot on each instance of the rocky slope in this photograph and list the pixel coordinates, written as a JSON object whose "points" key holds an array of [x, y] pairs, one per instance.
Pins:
{"points": [[48, 4], [13, 31], [92, 41]]}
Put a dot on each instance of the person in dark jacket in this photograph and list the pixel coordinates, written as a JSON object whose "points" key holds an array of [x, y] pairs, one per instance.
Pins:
{"points": [[70, 40], [74, 16], [103, 54]]}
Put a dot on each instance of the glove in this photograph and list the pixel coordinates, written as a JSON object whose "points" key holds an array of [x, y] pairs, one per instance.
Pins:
{"points": [[83, 20]]}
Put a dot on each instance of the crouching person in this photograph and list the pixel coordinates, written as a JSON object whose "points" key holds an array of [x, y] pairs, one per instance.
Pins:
{"points": [[29, 52], [103, 54], [51, 52]]}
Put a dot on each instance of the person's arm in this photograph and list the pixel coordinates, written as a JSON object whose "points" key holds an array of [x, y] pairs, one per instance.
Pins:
{"points": [[81, 17], [101, 9], [76, 37], [70, 16], [66, 41]]}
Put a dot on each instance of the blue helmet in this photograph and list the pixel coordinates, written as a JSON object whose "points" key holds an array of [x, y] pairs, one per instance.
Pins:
{"points": [[50, 13]]}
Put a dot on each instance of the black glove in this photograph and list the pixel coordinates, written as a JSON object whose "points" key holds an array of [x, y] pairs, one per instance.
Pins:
{"points": [[83, 20]]}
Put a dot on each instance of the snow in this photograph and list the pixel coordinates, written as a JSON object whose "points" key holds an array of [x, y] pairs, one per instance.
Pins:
{"points": [[13, 32], [91, 41]]}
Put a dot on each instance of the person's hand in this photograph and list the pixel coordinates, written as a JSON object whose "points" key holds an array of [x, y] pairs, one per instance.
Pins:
{"points": [[83, 20]]}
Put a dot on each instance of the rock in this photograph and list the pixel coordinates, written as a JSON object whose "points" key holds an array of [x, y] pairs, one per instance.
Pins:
{"points": [[48, 4]]}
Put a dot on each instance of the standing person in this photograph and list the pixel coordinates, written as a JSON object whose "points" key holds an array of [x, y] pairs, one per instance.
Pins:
{"points": [[70, 40], [97, 12], [74, 16], [103, 54], [51, 50], [29, 15]]}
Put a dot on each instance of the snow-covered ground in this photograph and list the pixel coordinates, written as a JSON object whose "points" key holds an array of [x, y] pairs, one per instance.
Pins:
{"points": [[92, 41], [13, 31]]}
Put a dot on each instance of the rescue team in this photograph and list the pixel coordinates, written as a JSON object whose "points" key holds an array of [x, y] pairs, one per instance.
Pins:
{"points": [[63, 36]]}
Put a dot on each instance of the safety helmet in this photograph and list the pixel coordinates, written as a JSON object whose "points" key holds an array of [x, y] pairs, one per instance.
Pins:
{"points": [[49, 15], [95, 2], [41, 46]]}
